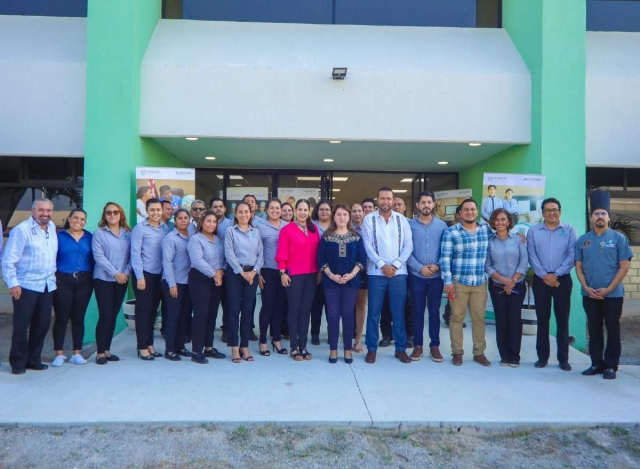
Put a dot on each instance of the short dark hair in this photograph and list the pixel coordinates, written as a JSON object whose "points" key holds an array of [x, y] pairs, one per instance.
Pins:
{"points": [[385, 189], [490, 186], [153, 200], [164, 188], [244, 199], [215, 199], [426, 194], [466, 201], [508, 190], [164, 202], [368, 199], [551, 200], [458, 209]]}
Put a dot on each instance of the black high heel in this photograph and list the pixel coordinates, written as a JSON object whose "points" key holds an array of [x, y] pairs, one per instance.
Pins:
{"points": [[281, 351], [146, 358], [265, 353]]}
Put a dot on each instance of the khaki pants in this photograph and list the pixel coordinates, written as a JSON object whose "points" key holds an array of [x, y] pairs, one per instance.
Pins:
{"points": [[476, 299]]}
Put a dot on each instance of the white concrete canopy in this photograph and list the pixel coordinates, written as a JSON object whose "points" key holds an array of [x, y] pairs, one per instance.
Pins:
{"points": [[273, 81], [613, 99], [42, 86]]}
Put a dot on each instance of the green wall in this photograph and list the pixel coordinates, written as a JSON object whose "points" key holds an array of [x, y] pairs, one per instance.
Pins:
{"points": [[551, 38], [118, 33]]}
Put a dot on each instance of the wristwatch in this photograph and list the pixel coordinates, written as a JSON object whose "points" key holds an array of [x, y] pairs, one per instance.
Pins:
{"points": [[283, 272]]}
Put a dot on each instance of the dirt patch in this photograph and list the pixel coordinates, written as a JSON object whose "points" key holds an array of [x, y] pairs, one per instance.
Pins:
{"points": [[630, 337]]}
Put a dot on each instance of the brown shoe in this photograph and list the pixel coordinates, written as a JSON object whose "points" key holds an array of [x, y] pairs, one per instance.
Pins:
{"points": [[370, 358], [417, 353], [403, 357], [457, 359], [436, 356], [482, 360]]}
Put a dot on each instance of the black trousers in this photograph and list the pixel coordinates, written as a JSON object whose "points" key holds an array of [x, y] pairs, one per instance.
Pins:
{"points": [[273, 296], [205, 298], [285, 316], [70, 301], [385, 316], [508, 313], [561, 297], [109, 296], [177, 311], [241, 300], [31, 320], [225, 309], [300, 297], [319, 303], [147, 302], [607, 311]]}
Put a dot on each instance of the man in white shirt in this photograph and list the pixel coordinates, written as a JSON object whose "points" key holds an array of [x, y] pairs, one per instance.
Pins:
{"points": [[388, 242]]}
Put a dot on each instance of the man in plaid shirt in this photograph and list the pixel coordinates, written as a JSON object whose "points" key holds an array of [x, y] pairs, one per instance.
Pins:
{"points": [[463, 255]]}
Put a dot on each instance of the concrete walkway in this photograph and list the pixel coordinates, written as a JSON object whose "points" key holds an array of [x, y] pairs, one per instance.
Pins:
{"points": [[277, 389]]}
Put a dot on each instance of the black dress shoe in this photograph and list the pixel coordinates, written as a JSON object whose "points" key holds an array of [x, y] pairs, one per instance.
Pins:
{"points": [[565, 366], [213, 353], [102, 360], [17, 371], [199, 358], [592, 371], [540, 364], [113, 358], [38, 367], [385, 342], [185, 353], [174, 357], [252, 336], [315, 340], [156, 354], [609, 373]]}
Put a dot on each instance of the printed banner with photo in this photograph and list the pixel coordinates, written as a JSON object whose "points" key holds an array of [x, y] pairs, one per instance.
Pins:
{"points": [[520, 194], [236, 194], [448, 201], [175, 184], [293, 194]]}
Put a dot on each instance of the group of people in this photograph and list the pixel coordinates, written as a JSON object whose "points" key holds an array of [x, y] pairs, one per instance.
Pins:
{"points": [[334, 257]]}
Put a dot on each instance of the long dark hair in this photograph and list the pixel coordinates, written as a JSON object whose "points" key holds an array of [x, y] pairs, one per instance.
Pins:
{"points": [[333, 226], [181, 210], [235, 218], [310, 226], [205, 215], [316, 209], [67, 225], [273, 200]]}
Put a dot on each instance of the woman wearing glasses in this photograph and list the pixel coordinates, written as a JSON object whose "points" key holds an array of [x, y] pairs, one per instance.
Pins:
{"points": [[321, 217], [297, 258], [111, 247], [146, 262]]}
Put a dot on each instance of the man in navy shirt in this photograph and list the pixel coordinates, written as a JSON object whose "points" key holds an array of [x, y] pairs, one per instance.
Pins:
{"points": [[602, 261]]}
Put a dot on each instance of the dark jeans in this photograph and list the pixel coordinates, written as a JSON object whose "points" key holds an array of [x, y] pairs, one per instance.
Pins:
{"points": [[147, 302], [607, 311], [561, 297], [70, 301], [109, 296], [426, 293], [205, 298], [319, 303], [508, 312], [273, 296], [31, 319], [177, 311], [300, 297], [397, 288], [341, 302], [385, 317], [241, 299]]}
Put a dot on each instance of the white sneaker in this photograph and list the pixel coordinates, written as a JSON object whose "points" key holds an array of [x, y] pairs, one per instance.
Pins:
{"points": [[59, 360], [78, 359]]}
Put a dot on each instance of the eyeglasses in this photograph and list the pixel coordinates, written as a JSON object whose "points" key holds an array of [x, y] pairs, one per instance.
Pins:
{"points": [[551, 210], [112, 212], [198, 209], [600, 214], [324, 210]]}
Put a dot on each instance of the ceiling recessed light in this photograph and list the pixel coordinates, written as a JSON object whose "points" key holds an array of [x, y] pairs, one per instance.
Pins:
{"points": [[328, 160], [475, 144], [332, 198], [238, 185], [309, 178], [192, 138], [209, 157], [399, 191], [233, 176], [407, 180], [340, 179], [335, 190], [335, 141], [443, 162]]}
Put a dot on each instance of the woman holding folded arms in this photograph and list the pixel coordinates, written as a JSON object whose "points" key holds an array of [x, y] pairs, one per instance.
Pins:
{"points": [[297, 258], [111, 246], [506, 267], [243, 250]]}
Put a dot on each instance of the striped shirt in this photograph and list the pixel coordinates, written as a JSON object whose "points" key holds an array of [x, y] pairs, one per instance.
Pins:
{"points": [[463, 254], [29, 260]]}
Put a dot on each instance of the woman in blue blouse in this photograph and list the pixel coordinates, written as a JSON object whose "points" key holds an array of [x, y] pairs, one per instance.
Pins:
{"points": [[506, 267], [206, 254], [175, 288], [321, 217], [341, 258], [74, 285], [111, 246]]}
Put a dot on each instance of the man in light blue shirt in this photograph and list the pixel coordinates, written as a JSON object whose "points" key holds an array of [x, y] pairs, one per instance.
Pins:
{"points": [[387, 240], [197, 209], [511, 205], [425, 282], [490, 203], [28, 268]]}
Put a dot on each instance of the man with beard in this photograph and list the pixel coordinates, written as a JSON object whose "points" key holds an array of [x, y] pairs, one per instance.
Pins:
{"points": [[602, 261], [425, 283], [387, 240], [197, 209], [29, 270]]}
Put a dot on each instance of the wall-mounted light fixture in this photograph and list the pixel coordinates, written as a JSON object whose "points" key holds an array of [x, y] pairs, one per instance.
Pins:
{"points": [[339, 73]]}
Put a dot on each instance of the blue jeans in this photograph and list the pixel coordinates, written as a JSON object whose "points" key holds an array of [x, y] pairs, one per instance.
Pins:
{"points": [[426, 292], [397, 287]]}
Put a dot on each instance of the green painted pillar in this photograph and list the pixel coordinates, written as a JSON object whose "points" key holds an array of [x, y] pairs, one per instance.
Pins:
{"points": [[118, 33], [551, 38]]}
